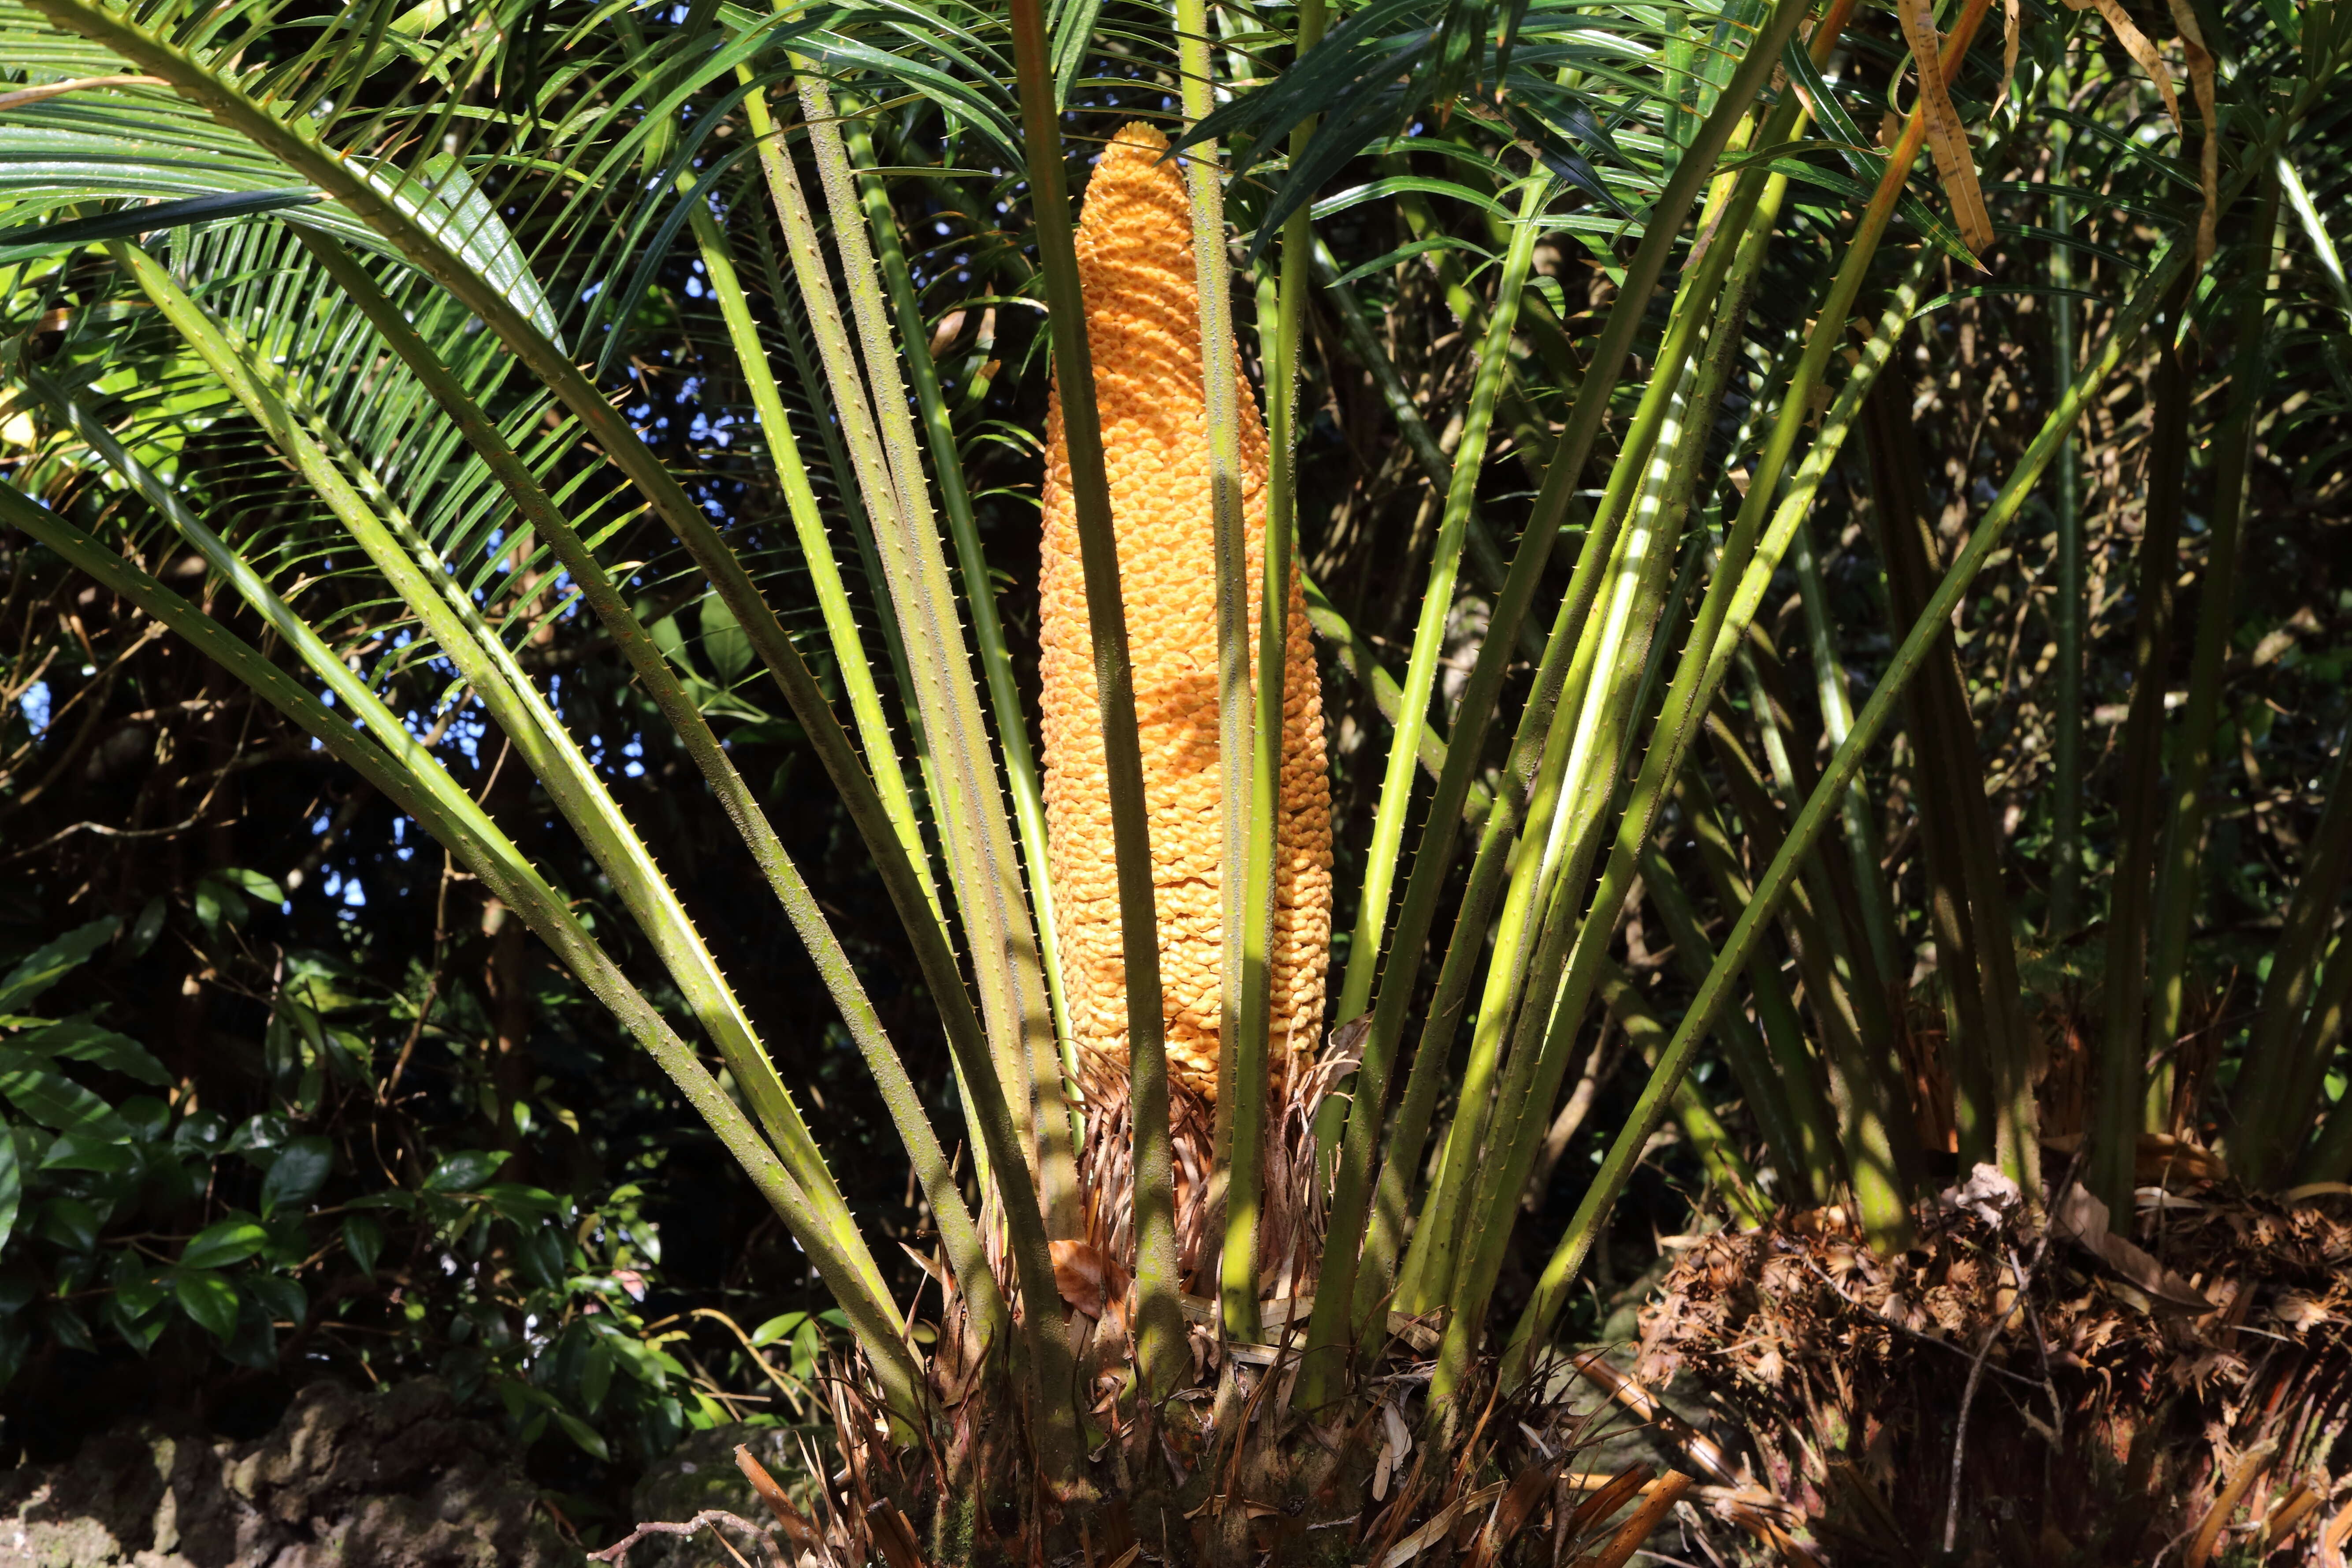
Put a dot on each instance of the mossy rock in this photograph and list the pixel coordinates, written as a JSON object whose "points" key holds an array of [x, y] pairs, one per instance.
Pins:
{"points": [[396, 1479]]}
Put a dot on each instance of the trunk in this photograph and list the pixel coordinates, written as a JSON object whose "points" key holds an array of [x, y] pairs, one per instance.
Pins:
{"points": [[1977, 956], [2123, 1048]]}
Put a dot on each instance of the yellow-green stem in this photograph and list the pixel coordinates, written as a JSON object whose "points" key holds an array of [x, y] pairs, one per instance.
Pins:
{"points": [[1012, 724], [1330, 1329], [1160, 1351], [1617, 1166], [1242, 972]]}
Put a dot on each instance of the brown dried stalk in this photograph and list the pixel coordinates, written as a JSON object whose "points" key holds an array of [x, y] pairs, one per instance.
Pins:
{"points": [[618, 1552]]}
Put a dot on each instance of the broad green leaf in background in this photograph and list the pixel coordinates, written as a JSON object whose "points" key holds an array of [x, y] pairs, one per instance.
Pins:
{"points": [[280, 1295], [363, 1239], [523, 1205], [296, 1174], [81, 1040], [68, 1222], [779, 1328], [464, 1170], [55, 1101], [136, 1284], [148, 1118], [138, 1293], [209, 1298], [587, 1436], [596, 1377], [724, 643], [140, 1331], [220, 1246], [67, 1325], [147, 927], [539, 1255], [48, 964], [81, 1151], [261, 887]]}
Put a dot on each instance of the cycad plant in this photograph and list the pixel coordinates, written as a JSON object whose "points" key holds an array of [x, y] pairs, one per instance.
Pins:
{"points": [[424, 327]]}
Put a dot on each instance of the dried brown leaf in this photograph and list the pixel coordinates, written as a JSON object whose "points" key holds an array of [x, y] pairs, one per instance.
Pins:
{"points": [[893, 1535], [1405, 1551], [2135, 44], [1955, 164], [2010, 20], [1518, 1503], [1088, 1277], [2082, 1218]]}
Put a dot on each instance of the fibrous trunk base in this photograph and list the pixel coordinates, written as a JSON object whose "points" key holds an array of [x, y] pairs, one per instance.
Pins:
{"points": [[2114, 1413]]}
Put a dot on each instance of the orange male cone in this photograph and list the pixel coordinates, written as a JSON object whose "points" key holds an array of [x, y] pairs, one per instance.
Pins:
{"points": [[1143, 328]]}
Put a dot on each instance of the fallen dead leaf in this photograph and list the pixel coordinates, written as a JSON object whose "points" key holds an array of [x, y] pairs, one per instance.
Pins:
{"points": [[2082, 1218], [1405, 1551], [1086, 1277]]}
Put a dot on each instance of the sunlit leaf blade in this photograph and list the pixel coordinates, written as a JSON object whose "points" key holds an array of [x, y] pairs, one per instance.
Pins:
{"points": [[442, 195]]}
